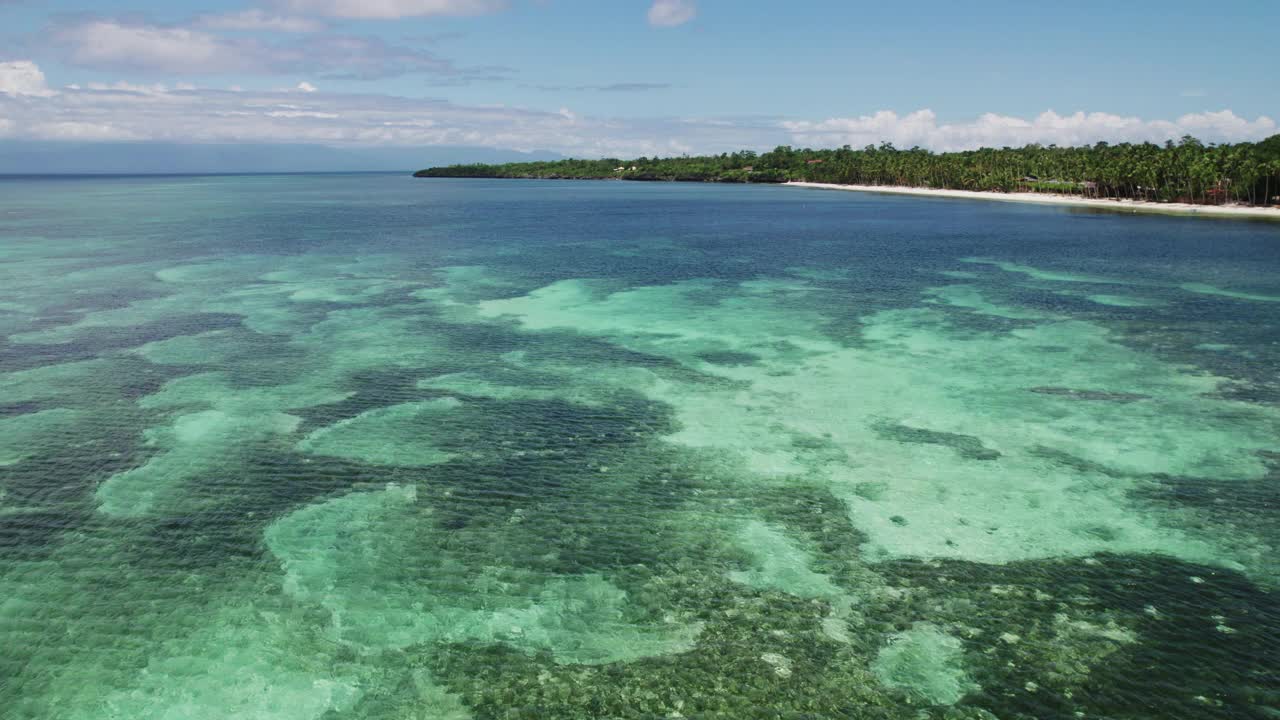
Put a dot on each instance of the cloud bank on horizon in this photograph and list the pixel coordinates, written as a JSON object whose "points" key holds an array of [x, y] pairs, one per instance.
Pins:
{"points": [[921, 128], [310, 71], [121, 111]]}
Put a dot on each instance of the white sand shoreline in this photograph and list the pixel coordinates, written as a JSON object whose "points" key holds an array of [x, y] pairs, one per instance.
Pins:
{"points": [[1134, 206]]}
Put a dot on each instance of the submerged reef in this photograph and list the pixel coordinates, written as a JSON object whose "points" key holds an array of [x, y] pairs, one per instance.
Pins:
{"points": [[603, 474], [925, 663]]}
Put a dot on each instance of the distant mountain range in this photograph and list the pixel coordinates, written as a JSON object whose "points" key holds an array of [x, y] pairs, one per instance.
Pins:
{"points": [[23, 158]]}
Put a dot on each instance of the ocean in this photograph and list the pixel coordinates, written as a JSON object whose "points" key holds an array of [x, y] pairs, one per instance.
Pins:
{"points": [[320, 447]]}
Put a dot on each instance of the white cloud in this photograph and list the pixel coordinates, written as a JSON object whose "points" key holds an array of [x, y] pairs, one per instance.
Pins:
{"points": [[111, 44], [117, 45], [253, 20], [1224, 126], [392, 9], [156, 89], [23, 77], [307, 87], [991, 130], [670, 13]]}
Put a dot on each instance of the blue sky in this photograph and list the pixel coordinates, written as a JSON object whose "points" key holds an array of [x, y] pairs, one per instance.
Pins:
{"points": [[615, 77]]}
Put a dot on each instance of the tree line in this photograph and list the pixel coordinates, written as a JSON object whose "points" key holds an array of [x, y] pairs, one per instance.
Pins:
{"points": [[1184, 171]]}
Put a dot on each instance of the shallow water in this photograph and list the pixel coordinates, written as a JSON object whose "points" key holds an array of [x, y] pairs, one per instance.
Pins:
{"points": [[332, 447]]}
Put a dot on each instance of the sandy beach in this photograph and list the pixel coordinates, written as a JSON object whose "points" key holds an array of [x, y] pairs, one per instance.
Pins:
{"points": [[1135, 206]]}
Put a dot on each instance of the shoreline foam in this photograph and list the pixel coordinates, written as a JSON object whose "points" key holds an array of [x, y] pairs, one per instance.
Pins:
{"points": [[1135, 206]]}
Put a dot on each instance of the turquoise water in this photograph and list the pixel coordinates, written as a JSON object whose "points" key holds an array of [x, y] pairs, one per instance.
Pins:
{"points": [[330, 447]]}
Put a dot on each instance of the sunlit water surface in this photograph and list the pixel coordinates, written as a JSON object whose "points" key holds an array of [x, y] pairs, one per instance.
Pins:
{"points": [[331, 447]]}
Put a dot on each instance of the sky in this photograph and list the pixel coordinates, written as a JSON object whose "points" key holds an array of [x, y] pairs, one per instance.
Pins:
{"points": [[622, 78]]}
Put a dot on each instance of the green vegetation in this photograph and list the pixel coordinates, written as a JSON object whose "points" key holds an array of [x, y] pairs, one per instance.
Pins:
{"points": [[1185, 171], [742, 167]]}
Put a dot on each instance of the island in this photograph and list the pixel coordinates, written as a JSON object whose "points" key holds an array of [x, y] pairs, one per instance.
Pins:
{"points": [[1185, 176]]}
